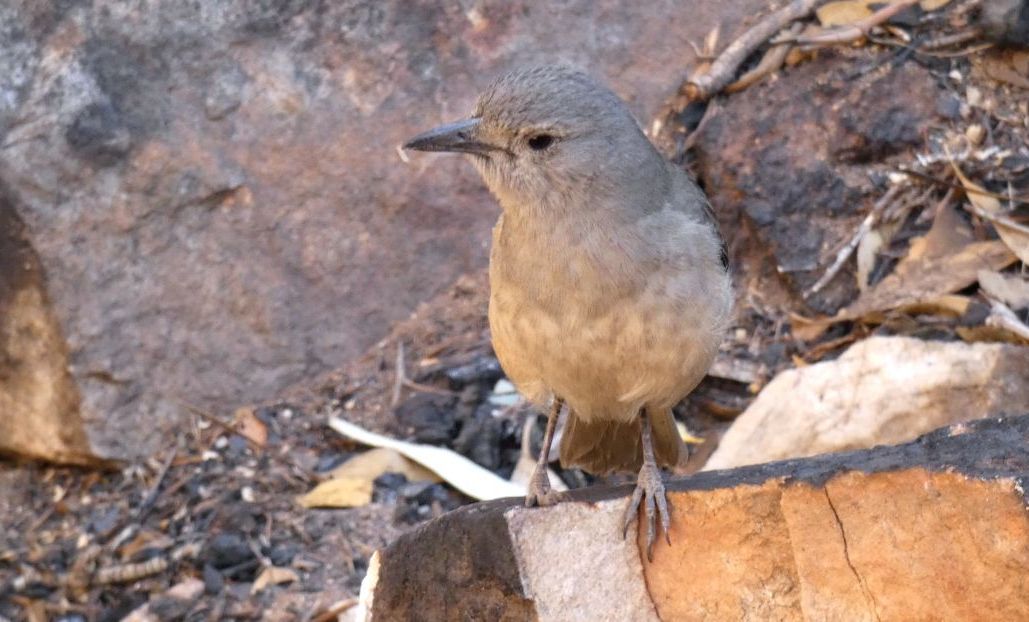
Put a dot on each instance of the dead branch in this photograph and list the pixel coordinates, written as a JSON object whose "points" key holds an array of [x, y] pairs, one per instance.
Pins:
{"points": [[770, 63], [725, 66]]}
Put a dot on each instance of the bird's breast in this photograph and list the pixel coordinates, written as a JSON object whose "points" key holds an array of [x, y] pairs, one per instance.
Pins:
{"points": [[589, 322]]}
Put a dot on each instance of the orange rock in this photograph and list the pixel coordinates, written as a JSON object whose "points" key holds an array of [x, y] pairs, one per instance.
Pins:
{"points": [[900, 545], [936, 529]]}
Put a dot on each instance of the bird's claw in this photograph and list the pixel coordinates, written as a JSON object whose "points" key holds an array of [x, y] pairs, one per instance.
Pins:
{"points": [[650, 487], [540, 493]]}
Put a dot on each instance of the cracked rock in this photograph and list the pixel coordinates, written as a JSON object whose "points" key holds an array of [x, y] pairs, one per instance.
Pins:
{"points": [[891, 533]]}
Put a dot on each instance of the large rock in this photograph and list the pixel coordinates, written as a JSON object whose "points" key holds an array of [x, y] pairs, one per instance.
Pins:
{"points": [[882, 390], [215, 198], [791, 158], [933, 530]]}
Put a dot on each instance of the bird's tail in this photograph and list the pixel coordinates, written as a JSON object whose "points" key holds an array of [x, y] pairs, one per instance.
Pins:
{"points": [[605, 447]]}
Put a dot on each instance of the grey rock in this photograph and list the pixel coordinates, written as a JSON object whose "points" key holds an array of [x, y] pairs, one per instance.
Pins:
{"points": [[213, 190]]}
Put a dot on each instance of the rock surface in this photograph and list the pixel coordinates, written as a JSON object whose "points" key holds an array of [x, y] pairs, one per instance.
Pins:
{"points": [[882, 390], [215, 198], [790, 158], [893, 533]]}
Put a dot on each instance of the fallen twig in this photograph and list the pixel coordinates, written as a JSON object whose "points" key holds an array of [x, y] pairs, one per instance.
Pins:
{"points": [[401, 380], [155, 490], [724, 67], [955, 38], [848, 249], [770, 63]]}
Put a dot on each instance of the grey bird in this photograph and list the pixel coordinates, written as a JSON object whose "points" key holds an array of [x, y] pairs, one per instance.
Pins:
{"points": [[609, 290]]}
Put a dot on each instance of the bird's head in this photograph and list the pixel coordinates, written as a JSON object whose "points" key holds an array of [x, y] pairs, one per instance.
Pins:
{"points": [[541, 134]]}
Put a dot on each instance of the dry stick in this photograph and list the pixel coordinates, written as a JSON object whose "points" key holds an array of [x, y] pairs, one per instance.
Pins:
{"points": [[855, 31], [849, 248], [725, 66], [709, 113], [952, 39], [400, 375], [770, 63], [155, 490], [403, 381]]}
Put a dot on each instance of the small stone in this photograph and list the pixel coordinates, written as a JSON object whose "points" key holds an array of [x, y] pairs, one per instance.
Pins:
{"points": [[227, 549], [282, 554]]}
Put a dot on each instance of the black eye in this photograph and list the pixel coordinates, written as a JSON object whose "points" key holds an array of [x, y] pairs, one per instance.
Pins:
{"points": [[539, 142]]}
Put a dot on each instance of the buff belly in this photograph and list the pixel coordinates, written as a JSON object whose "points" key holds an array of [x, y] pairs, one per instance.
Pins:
{"points": [[609, 361]]}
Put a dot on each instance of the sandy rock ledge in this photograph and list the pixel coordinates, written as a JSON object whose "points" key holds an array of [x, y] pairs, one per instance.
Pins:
{"points": [[934, 529]]}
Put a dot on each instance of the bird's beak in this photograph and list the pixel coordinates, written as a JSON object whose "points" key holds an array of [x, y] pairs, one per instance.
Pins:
{"points": [[460, 136]]}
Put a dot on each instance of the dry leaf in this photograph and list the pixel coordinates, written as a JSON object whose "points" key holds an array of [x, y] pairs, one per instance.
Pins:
{"points": [[375, 462], [247, 425], [948, 234], [1014, 234], [458, 471], [927, 278], [351, 484], [339, 493], [273, 575], [809, 329], [843, 13], [1011, 290]]}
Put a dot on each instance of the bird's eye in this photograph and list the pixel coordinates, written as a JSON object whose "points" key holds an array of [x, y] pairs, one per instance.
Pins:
{"points": [[539, 142]]}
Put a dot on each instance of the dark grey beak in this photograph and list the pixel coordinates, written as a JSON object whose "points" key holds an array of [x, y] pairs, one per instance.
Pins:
{"points": [[459, 137]]}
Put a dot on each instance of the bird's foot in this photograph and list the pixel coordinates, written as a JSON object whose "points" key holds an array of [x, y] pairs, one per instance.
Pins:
{"points": [[540, 493], [650, 487]]}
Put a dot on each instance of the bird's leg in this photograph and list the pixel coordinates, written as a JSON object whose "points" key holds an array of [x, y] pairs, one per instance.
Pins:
{"points": [[539, 492], [649, 486]]}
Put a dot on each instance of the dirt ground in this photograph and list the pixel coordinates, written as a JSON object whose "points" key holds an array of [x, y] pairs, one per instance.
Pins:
{"points": [[217, 508]]}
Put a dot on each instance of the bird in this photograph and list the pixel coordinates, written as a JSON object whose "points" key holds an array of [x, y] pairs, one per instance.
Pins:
{"points": [[609, 285]]}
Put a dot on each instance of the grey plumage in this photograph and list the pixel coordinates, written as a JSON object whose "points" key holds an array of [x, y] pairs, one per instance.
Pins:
{"points": [[607, 288]]}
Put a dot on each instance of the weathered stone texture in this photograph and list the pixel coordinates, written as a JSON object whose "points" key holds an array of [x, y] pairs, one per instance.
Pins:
{"points": [[214, 191]]}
